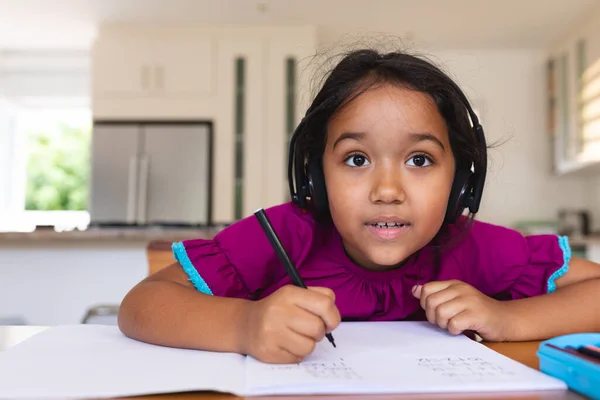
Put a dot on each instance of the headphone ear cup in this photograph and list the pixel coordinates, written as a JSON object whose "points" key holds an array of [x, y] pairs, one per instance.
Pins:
{"points": [[459, 195], [317, 188]]}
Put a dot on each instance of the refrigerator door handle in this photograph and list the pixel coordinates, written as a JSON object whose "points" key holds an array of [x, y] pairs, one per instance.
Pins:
{"points": [[132, 189], [142, 205]]}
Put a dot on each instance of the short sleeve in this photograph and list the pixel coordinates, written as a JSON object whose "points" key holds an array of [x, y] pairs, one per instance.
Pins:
{"points": [[240, 261], [503, 263]]}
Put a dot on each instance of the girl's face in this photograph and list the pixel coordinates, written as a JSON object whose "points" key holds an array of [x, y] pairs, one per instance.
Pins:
{"points": [[388, 168]]}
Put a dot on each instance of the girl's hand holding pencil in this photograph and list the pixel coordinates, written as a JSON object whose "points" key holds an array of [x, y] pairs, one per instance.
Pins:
{"points": [[285, 326]]}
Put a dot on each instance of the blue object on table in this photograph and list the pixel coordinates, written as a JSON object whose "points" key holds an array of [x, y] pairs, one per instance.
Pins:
{"points": [[579, 374]]}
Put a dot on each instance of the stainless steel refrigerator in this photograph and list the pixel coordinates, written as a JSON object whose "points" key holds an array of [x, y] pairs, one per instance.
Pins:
{"points": [[151, 173]]}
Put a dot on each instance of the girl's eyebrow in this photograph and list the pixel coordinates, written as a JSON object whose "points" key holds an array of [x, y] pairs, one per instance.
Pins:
{"points": [[420, 137], [415, 137], [349, 135]]}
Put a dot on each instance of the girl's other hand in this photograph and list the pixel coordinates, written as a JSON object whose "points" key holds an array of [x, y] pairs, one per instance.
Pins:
{"points": [[286, 326], [458, 307]]}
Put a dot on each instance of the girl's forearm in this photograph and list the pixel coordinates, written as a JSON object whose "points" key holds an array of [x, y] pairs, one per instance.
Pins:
{"points": [[170, 314], [571, 309]]}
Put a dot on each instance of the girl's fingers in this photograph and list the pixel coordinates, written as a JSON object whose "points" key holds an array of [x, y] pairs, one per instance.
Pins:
{"points": [[464, 321], [424, 291], [448, 310], [434, 301]]}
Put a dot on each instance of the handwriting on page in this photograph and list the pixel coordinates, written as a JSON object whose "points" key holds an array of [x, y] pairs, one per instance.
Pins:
{"points": [[322, 369], [467, 368], [331, 369]]}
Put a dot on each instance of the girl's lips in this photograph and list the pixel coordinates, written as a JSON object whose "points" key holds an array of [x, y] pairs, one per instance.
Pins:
{"points": [[390, 233], [388, 219]]}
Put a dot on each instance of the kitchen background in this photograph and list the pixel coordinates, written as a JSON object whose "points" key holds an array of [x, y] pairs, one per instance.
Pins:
{"points": [[124, 121]]}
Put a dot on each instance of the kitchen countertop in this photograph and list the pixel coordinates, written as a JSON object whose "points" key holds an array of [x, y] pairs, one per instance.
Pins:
{"points": [[112, 234], [148, 234], [585, 241], [574, 240]]}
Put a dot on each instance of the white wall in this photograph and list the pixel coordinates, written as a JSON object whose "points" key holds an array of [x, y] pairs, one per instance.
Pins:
{"points": [[507, 86], [46, 78], [6, 151], [593, 200]]}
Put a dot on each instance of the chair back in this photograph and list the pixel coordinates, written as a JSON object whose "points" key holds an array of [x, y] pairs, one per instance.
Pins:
{"points": [[159, 255]]}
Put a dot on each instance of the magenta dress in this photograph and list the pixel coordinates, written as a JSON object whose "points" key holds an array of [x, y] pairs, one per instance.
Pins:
{"points": [[240, 262]]}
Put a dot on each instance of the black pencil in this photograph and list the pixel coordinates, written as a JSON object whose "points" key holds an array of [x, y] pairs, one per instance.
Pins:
{"points": [[282, 255], [573, 351], [590, 351]]}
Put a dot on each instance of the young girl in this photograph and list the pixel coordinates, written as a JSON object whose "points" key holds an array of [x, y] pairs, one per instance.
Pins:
{"points": [[386, 160]]}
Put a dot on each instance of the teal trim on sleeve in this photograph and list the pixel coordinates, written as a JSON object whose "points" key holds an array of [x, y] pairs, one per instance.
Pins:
{"points": [[182, 257], [563, 242]]}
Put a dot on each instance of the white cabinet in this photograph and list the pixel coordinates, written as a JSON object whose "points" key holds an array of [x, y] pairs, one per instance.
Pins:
{"points": [[143, 74], [163, 67], [274, 99], [121, 68], [184, 67], [290, 72]]}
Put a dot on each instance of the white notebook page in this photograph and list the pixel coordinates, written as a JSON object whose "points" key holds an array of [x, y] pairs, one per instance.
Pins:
{"points": [[93, 361], [396, 357]]}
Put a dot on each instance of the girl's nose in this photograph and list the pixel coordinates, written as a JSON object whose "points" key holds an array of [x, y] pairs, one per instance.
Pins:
{"points": [[387, 187]]}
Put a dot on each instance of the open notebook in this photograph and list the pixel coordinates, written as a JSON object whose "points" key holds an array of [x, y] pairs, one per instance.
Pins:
{"points": [[86, 361]]}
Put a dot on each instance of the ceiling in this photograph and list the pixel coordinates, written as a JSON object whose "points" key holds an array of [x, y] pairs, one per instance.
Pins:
{"points": [[71, 24]]}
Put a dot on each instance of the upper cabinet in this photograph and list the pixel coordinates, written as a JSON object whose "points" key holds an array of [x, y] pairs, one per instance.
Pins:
{"points": [[145, 72], [183, 67], [153, 68], [121, 68], [573, 97]]}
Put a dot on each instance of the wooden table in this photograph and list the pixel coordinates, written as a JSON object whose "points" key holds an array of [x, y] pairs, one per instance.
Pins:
{"points": [[523, 352]]}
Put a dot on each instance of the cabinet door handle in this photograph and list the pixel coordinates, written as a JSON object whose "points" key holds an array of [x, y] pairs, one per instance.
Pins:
{"points": [[142, 204], [132, 189], [160, 77], [144, 77]]}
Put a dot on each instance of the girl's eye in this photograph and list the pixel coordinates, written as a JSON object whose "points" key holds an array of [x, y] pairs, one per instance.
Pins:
{"points": [[419, 160], [356, 160]]}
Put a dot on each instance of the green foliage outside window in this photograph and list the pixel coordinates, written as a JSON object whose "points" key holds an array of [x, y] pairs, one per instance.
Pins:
{"points": [[58, 169]]}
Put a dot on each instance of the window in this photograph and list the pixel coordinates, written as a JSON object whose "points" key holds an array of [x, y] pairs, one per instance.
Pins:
{"points": [[51, 168], [58, 160], [564, 126], [581, 60], [590, 110], [45, 129]]}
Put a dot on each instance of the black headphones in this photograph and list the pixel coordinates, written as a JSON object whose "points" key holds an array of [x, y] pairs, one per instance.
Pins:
{"points": [[309, 190]]}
